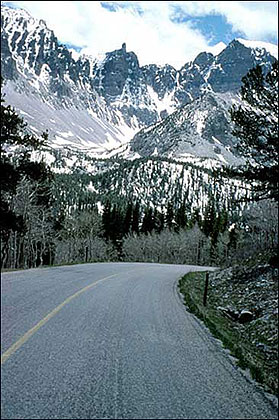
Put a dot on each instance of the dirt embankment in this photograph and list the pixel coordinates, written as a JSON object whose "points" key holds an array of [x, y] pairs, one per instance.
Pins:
{"points": [[242, 311]]}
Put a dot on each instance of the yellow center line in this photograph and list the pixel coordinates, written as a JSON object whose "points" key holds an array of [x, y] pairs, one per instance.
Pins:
{"points": [[32, 331]]}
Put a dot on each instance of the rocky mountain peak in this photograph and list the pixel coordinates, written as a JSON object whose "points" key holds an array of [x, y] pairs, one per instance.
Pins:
{"points": [[228, 68], [200, 128], [114, 88], [204, 60], [111, 73]]}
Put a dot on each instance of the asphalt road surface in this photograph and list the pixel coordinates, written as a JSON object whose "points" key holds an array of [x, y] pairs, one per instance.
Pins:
{"points": [[113, 341]]}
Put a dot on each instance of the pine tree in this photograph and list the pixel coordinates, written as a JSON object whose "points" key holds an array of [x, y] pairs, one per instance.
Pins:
{"points": [[148, 221], [180, 217], [106, 219], [209, 219], [127, 227], [256, 127], [116, 223], [135, 219], [159, 221], [170, 216]]}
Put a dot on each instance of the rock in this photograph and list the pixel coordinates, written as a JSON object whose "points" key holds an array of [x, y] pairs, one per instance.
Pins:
{"points": [[229, 312], [245, 316]]}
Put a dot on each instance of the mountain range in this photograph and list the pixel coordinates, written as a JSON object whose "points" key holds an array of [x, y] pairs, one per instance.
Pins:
{"points": [[112, 106]]}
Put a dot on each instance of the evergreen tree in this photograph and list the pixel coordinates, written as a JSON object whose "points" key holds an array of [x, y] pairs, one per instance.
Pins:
{"points": [[180, 217], [116, 223], [127, 227], [195, 219], [170, 216], [106, 220], [159, 221], [148, 221], [256, 127], [135, 219], [208, 222], [222, 221]]}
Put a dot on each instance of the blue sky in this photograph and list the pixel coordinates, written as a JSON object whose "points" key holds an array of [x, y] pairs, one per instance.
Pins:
{"points": [[157, 31], [215, 28]]}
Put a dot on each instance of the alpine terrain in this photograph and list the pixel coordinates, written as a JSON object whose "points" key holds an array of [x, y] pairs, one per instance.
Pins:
{"points": [[98, 105]]}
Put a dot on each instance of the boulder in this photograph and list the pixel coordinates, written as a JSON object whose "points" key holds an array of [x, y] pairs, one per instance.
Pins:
{"points": [[245, 316]]}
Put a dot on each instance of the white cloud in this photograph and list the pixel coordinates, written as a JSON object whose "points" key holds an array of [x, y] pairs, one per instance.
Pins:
{"points": [[256, 20], [152, 34]]}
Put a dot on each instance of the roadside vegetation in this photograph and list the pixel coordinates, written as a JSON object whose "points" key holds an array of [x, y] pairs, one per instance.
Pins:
{"points": [[252, 337]]}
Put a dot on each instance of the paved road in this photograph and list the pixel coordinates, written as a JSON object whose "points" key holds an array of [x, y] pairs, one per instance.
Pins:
{"points": [[122, 348]]}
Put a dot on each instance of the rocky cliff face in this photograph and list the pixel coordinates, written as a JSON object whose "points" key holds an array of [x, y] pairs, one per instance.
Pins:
{"points": [[114, 93]]}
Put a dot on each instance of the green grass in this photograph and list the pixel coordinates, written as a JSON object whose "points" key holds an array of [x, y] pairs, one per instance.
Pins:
{"points": [[191, 287]]}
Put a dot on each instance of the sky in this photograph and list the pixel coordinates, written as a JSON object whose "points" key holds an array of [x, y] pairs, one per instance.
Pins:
{"points": [[160, 32]]}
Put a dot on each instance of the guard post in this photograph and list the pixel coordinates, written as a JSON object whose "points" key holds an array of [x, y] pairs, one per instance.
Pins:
{"points": [[205, 288]]}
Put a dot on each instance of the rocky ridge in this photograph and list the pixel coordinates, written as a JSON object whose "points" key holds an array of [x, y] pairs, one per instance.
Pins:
{"points": [[201, 128], [110, 99]]}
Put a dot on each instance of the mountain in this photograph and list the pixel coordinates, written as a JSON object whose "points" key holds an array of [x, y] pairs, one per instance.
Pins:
{"points": [[103, 106], [201, 128], [51, 89]]}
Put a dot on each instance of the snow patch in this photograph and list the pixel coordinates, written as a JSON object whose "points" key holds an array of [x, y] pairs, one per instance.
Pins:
{"points": [[61, 141], [216, 140], [271, 48], [26, 113], [200, 117], [166, 104], [111, 142], [222, 159], [216, 49], [67, 134], [75, 54]]}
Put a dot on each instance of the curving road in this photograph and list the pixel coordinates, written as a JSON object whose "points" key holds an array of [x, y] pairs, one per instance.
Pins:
{"points": [[114, 341]]}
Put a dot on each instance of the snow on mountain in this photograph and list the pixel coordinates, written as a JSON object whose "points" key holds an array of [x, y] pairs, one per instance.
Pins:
{"points": [[199, 129], [76, 55], [97, 105], [217, 49], [260, 45]]}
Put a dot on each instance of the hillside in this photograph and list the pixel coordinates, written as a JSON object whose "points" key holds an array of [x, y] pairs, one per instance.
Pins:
{"points": [[242, 311]]}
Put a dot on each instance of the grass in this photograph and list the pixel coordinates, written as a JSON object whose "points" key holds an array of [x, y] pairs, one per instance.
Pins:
{"points": [[191, 287]]}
